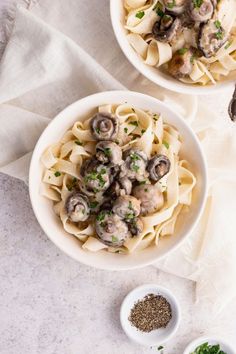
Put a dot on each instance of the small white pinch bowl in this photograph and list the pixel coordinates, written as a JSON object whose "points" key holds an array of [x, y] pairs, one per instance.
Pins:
{"points": [[155, 337], [51, 224], [158, 76], [228, 349]]}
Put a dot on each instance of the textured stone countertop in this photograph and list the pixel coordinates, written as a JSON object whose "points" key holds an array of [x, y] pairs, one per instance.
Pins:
{"points": [[50, 304]]}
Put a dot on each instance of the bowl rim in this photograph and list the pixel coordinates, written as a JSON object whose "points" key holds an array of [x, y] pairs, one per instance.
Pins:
{"points": [[101, 96], [170, 84], [163, 291], [206, 338]]}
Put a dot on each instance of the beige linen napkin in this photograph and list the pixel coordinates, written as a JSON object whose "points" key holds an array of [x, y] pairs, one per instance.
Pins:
{"points": [[44, 69]]}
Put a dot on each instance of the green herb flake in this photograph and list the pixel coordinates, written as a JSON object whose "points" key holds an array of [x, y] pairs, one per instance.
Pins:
{"points": [[126, 130], [142, 182], [217, 23], [197, 3], [140, 14], [135, 123], [57, 174], [129, 216], [228, 44], [170, 5], [93, 205], [166, 144], [145, 190], [135, 168], [114, 238], [219, 35], [97, 130], [134, 157], [160, 347], [130, 205], [182, 51], [133, 110], [77, 142], [143, 131], [107, 152], [192, 59], [159, 9], [101, 216]]}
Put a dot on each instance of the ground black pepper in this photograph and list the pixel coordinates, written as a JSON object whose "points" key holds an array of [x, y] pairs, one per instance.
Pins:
{"points": [[150, 313]]}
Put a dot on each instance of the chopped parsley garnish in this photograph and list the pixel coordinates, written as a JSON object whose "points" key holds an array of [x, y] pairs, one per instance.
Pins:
{"points": [[170, 5], [129, 216], [135, 123], [93, 205], [95, 175], [145, 190], [192, 59], [77, 142], [72, 184], [103, 171], [107, 152], [140, 14], [143, 131], [57, 173], [217, 23], [206, 348], [101, 216], [133, 110], [114, 238], [160, 347], [134, 157], [97, 130], [135, 168], [130, 205], [142, 182], [219, 34], [126, 130], [159, 9], [197, 3], [165, 144], [228, 44], [182, 51]]}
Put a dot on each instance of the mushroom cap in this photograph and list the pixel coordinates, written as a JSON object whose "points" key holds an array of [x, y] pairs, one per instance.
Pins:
{"points": [[166, 29], [77, 207], [119, 187], [135, 164], [126, 207], [158, 167], [211, 37], [96, 177], [150, 196], [104, 126], [176, 6], [181, 63], [135, 226], [109, 152], [111, 229], [201, 13]]}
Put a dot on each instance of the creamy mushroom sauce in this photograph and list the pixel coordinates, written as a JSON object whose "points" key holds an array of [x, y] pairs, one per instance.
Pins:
{"points": [[192, 40], [116, 179]]}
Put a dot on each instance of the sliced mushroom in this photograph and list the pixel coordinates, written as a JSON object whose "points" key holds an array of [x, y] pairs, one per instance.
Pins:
{"points": [[119, 187], [111, 229], [181, 63], [158, 167], [211, 38], [201, 11], [104, 126], [135, 226], [127, 207], [96, 177], [150, 197], [77, 207], [109, 152], [166, 29], [175, 6], [135, 164]]}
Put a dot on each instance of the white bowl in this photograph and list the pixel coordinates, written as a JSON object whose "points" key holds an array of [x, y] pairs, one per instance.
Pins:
{"points": [[51, 224], [154, 74], [156, 337], [211, 340]]}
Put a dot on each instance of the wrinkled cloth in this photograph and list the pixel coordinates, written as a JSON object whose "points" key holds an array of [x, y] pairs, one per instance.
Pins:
{"points": [[61, 51]]}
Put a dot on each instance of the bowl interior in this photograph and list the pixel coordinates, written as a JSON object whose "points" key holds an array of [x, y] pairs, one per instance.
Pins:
{"points": [[155, 337], [52, 225], [154, 74]]}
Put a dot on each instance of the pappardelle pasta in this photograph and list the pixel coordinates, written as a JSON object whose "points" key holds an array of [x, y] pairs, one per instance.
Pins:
{"points": [[116, 179], [192, 40]]}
